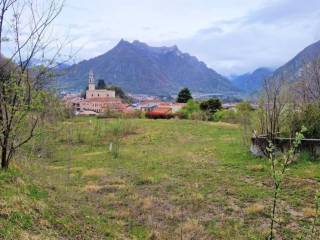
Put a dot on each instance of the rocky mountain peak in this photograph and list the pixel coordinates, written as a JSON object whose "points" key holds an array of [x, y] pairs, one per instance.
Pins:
{"points": [[139, 68]]}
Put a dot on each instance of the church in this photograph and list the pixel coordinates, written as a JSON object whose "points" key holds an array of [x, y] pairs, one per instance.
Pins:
{"points": [[92, 92], [100, 100]]}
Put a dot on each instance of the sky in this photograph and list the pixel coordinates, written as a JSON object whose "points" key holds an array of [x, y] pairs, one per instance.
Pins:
{"points": [[230, 36]]}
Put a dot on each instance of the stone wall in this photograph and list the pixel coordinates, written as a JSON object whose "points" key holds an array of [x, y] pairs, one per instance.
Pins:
{"points": [[260, 143]]}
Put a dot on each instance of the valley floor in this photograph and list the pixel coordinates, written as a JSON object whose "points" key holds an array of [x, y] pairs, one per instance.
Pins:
{"points": [[173, 179]]}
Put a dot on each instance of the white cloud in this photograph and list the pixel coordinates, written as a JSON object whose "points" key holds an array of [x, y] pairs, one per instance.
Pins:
{"points": [[267, 37]]}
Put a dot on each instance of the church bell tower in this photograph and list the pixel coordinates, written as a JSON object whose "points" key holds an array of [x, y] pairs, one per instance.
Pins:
{"points": [[91, 84]]}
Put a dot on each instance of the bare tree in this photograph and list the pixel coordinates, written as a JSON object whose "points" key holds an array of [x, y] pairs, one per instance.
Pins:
{"points": [[26, 35], [309, 84], [272, 106]]}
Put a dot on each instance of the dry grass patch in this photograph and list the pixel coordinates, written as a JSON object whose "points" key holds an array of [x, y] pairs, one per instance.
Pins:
{"points": [[92, 154], [98, 172], [92, 188], [309, 212], [192, 229], [104, 185], [123, 213], [257, 168], [112, 181], [254, 209], [31, 236], [224, 124], [147, 203], [55, 167], [155, 235]]}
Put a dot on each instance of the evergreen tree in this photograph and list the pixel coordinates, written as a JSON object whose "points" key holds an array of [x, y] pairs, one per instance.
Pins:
{"points": [[211, 106], [101, 84], [120, 93], [184, 95]]}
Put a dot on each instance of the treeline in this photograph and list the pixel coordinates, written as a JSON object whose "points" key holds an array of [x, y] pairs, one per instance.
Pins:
{"points": [[210, 109], [286, 107]]}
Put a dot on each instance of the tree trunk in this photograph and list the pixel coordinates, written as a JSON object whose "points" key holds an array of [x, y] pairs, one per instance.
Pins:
{"points": [[4, 153], [4, 156]]}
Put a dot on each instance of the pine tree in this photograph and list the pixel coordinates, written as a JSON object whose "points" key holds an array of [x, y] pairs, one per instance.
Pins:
{"points": [[101, 84], [184, 95]]}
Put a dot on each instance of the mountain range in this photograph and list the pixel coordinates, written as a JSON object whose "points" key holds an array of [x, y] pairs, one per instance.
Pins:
{"points": [[252, 82], [292, 69], [139, 68]]}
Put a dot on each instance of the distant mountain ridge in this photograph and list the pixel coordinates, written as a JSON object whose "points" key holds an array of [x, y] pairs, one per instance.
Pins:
{"points": [[139, 68], [252, 82], [292, 69]]}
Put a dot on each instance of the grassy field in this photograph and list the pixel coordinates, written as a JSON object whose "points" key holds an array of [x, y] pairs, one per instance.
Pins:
{"points": [[173, 179]]}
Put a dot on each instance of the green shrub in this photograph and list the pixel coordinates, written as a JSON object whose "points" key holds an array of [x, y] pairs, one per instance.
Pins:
{"points": [[309, 117], [244, 107], [191, 108], [120, 130], [305, 156], [226, 115], [200, 116], [210, 107]]}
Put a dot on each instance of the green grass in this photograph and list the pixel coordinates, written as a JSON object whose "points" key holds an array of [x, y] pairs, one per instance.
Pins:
{"points": [[171, 177]]}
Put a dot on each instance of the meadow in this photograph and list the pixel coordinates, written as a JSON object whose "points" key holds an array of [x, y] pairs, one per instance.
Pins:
{"points": [[170, 179]]}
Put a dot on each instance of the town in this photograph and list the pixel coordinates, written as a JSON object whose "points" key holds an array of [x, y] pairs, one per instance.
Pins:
{"points": [[159, 120], [101, 101]]}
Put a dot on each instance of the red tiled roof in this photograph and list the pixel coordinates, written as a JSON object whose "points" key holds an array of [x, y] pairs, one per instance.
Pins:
{"points": [[161, 110], [147, 101], [110, 99]]}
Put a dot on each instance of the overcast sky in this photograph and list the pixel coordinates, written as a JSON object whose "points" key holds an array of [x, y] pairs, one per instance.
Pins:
{"points": [[230, 36]]}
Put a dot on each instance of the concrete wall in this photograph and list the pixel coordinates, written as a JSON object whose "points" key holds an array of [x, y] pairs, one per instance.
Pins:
{"points": [[259, 144]]}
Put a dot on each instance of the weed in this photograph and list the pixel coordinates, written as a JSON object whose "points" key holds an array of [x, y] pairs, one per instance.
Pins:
{"points": [[22, 220]]}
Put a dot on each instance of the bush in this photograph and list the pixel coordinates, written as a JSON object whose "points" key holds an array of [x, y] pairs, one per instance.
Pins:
{"points": [[111, 114], [244, 107], [211, 106], [118, 132], [310, 118], [228, 115], [200, 116], [155, 115], [180, 115], [133, 114], [190, 108]]}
